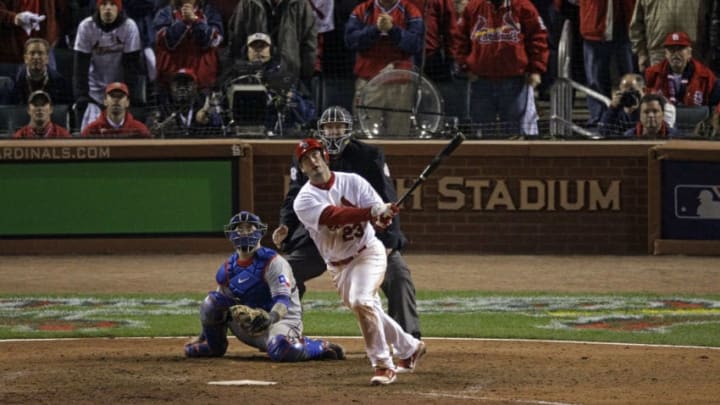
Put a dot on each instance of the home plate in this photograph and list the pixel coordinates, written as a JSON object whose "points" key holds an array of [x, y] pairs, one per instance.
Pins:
{"points": [[242, 382]]}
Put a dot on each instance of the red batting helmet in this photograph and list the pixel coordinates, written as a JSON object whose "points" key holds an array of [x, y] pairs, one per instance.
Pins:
{"points": [[309, 144]]}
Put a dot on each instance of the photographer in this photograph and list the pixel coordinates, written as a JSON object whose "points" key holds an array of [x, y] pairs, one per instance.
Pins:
{"points": [[186, 112], [286, 109], [624, 110]]}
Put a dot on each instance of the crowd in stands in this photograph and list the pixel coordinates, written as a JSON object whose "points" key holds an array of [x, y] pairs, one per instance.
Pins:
{"points": [[216, 68]]}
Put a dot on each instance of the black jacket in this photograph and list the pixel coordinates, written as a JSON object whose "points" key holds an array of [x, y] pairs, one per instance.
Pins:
{"points": [[56, 86], [358, 157]]}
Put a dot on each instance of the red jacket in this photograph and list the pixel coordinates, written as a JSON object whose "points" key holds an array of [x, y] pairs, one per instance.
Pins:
{"points": [[697, 90], [501, 42], [440, 24], [593, 17], [101, 128], [51, 130], [14, 37], [178, 45], [375, 51]]}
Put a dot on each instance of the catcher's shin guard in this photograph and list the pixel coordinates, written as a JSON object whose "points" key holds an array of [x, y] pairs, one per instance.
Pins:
{"points": [[214, 346], [213, 341], [282, 348]]}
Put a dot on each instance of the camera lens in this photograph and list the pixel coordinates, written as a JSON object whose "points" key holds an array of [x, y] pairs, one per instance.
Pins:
{"points": [[630, 98]]}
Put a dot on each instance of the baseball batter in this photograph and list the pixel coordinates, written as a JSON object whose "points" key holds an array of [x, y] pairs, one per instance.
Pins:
{"points": [[339, 211], [348, 154], [257, 298]]}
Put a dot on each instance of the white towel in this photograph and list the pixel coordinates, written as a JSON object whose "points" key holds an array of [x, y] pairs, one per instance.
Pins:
{"points": [[530, 118]]}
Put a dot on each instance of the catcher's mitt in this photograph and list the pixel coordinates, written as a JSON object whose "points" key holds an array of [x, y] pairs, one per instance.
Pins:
{"points": [[253, 320]]}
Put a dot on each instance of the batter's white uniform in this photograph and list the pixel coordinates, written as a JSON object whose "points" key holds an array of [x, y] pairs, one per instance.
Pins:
{"points": [[356, 260]]}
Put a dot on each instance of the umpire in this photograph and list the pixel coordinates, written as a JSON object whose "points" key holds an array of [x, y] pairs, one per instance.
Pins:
{"points": [[350, 155]]}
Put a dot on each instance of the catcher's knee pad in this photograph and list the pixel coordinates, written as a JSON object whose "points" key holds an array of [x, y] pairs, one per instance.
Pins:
{"points": [[212, 310], [283, 348]]}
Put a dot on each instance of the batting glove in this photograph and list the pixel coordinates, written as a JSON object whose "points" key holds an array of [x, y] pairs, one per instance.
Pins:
{"points": [[384, 210], [382, 215]]}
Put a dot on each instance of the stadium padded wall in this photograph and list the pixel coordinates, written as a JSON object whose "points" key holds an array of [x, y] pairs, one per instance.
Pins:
{"points": [[115, 198], [110, 196], [684, 195], [505, 197], [514, 197]]}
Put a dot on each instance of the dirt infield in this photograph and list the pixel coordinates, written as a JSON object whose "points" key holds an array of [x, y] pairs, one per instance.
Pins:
{"points": [[501, 273], [454, 371]]}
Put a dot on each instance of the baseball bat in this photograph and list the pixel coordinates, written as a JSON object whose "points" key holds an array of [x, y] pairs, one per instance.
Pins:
{"points": [[434, 163]]}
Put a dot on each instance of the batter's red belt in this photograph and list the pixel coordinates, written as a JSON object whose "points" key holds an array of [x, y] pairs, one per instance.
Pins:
{"points": [[348, 259]]}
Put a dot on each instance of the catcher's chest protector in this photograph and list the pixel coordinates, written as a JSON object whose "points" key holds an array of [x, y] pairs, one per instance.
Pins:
{"points": [[246, 282]]}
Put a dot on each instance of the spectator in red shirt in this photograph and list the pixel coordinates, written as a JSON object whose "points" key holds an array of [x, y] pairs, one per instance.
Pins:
{"points": [[385, 34], [115, 121], [40, 110], [502, 44], [188, 35], [682, 79]]}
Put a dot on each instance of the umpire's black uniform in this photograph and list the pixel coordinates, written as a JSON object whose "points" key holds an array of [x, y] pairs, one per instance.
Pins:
{"points": [[369, 162]]}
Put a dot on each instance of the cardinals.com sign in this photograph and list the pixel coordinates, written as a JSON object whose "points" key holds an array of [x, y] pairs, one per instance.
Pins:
{"points": [[690, 200]]}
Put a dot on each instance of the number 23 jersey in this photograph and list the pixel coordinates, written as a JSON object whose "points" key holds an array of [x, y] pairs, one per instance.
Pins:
{"points": [[337, 242]]}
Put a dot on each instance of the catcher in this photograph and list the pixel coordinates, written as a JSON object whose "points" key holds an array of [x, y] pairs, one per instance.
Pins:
{"points": [[257, 298]]}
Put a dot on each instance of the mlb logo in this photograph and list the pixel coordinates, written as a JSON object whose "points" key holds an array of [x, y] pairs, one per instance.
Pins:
{"points": [[697, 201]]}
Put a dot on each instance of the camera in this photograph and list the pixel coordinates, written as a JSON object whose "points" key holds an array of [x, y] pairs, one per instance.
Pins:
{"points": [[630, 98]]}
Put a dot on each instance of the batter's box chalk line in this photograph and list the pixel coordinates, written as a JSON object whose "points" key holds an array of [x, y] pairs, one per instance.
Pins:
{"points": [[242, 382]]}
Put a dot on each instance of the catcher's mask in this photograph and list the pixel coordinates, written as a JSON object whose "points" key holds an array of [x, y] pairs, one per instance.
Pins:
{"points": [[308, 145], [245, 231], [336, 137]]}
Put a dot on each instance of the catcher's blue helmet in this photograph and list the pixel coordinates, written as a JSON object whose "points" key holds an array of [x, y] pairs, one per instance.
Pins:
{"points": [[245, 238]]}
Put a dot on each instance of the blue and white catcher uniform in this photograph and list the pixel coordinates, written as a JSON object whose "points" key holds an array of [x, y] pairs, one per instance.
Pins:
{"points": [[256, 277]]}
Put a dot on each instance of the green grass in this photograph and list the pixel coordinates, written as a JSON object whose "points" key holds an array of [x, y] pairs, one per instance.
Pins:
{"points": [[627, 318]]}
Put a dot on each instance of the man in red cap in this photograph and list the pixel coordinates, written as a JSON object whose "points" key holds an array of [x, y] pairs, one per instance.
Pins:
{"points": [[682, 79], [116, 121], [40, 110]]}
